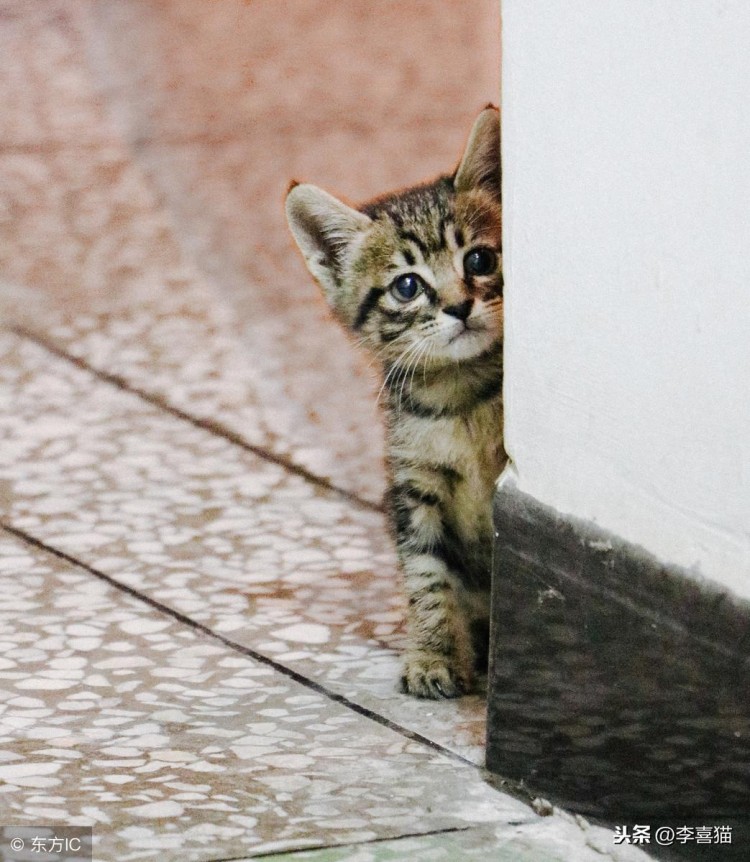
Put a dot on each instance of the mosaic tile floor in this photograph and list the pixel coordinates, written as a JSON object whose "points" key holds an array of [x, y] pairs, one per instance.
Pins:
{"points": [[199, 606]]}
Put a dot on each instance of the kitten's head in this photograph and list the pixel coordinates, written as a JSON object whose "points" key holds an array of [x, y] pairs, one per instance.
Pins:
{"points": [[416, 275]]}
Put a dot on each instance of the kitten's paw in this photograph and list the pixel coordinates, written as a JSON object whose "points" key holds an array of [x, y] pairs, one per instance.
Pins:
{"points": [[432, 675]]}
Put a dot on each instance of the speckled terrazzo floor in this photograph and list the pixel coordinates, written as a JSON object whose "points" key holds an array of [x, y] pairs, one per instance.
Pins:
{"points": [[199, 605], [188, 643], [118, 715]]}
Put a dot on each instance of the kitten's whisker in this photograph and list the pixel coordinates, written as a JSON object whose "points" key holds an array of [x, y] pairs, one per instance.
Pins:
{"points": [[430, 354], [420, 356], [413, 360], [385, 382], [376, 354], [427, 346], [396, 369], [403, 381], [408, 365]]}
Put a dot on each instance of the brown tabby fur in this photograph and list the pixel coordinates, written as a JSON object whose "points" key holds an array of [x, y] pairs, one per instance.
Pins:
{"points": [[441, 354]]}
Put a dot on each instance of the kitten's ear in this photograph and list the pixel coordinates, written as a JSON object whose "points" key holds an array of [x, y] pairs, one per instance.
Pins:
{"points": [[323, 227], [480, 164]]}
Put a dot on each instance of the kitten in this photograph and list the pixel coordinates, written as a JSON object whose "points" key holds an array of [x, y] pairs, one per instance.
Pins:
{"points": [[417, 277]]}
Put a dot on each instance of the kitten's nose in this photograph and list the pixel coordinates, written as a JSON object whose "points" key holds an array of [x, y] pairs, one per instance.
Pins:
{"points": [[461, 311]]}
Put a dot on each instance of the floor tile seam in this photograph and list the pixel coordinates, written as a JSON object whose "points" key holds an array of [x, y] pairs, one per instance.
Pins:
{"points": [[239, 134], [248, 652], [52, 147], [211, 426], [367, 843]]}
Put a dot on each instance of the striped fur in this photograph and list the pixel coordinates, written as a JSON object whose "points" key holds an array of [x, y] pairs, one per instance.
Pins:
{"points": [[441, 355]]}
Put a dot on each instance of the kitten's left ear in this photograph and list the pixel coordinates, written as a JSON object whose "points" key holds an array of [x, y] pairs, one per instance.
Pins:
{"points": [[480, 164], [323, 227]]}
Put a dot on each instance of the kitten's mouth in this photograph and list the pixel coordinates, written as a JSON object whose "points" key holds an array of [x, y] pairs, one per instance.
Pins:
{"points": [[468, 342], [467, 330]]}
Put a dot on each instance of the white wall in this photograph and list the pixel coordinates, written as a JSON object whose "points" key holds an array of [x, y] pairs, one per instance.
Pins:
{"points": [[626, 147]]}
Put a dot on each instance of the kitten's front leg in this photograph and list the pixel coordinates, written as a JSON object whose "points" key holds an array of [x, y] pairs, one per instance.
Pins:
{"points": [[439, 659]]}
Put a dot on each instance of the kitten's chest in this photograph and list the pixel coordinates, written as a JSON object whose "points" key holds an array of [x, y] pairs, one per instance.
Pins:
{"points": [[469, 450], [480, 462]]}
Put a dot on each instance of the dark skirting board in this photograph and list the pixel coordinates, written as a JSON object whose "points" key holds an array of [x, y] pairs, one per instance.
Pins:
{"points": [[618, 687]]}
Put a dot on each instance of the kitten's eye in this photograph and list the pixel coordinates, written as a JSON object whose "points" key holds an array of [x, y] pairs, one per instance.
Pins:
{"points": [[480, 261], [407, 286]]}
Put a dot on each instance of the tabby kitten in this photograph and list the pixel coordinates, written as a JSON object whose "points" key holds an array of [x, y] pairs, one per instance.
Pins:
{"points": [[417, 277]]}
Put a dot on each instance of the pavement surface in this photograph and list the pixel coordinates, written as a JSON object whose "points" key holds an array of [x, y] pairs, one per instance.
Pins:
{"points": [[200, 615]]}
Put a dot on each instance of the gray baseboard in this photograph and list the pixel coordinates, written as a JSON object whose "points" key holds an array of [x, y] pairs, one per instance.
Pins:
{"points": [[618, 687]]}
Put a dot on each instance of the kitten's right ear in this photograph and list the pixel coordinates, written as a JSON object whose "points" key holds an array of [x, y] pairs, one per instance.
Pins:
{"points": [[480, 163], [323, 227]]}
